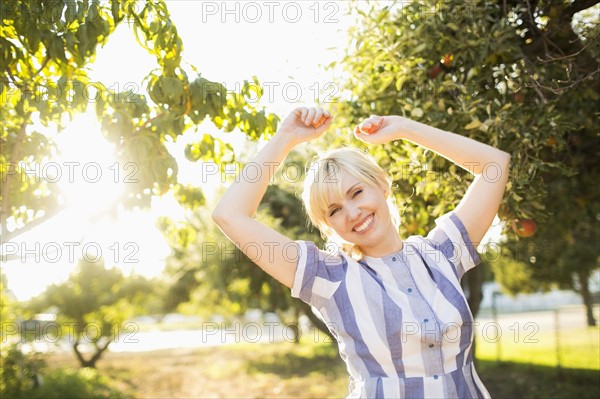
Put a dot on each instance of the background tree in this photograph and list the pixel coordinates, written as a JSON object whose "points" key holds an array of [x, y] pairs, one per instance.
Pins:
{"points": [[522, 76], [93, 305], [564, 251], [47, 47]]}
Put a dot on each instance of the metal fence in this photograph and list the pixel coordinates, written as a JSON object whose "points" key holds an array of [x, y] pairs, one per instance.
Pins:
{"points": [[558, 337]]}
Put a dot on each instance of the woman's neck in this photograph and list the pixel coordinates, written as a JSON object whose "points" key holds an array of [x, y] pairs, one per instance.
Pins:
{"points": [[392, 245]]}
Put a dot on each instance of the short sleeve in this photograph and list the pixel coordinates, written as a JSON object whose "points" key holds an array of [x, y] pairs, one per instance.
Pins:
{"points": [[318, 273], [451, 238]]}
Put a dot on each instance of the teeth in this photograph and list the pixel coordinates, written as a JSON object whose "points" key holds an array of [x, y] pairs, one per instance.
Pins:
{"points": [[365, 224]]}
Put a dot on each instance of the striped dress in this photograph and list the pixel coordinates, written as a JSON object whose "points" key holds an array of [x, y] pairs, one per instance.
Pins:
{"points": [[402, 322]]}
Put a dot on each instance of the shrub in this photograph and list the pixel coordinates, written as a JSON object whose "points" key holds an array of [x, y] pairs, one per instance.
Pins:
{"points": [[82, 383], [19, 372]]}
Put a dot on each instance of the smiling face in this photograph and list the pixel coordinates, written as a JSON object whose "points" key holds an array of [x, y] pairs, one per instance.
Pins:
{"points": [[361, 216], [347, 196]]}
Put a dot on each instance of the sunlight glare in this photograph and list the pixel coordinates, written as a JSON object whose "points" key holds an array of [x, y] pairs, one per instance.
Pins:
{"points": [[90, 178]]}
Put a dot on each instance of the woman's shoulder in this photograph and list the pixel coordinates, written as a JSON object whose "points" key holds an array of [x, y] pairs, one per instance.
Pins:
{"points": [[328, 253]]}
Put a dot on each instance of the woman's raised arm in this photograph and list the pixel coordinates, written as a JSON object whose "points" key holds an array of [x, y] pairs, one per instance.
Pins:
{"points": [[272, 251], [489, 165]]}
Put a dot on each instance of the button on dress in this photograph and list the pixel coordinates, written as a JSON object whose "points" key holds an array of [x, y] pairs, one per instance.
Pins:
{"points": [[402, 322]]}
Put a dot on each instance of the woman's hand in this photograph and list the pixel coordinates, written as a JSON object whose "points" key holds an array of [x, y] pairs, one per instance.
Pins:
{"points": [[381, 129], [304, 124]]}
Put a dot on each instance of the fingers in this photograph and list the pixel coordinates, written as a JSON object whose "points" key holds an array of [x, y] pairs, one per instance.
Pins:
{"points": [[318, 115], [309, 117], [301, 112], [324, 122], [314, 116], [359, 134], [370, 125]]}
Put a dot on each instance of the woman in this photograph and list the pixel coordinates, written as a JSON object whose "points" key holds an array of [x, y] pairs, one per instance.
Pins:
{"points": [[395, 306]]}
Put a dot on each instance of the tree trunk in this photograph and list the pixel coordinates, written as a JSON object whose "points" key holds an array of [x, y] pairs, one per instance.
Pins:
{"points": [[91, 362], [296, 326], [584, 291], [474, 282], [82, 361]]}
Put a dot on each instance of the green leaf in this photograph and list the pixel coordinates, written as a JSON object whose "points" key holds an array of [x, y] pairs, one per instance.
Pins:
{"points": [[453, 26], [420, 48], [416, 113], [71, 12], [516, 197], [56, 48], [474, 124], [115, 10]]}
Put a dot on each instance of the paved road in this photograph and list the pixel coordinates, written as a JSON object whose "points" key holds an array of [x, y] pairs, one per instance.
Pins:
{"points": [[215, 334]]}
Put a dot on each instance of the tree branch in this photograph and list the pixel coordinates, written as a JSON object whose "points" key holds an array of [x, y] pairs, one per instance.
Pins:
{"points": [[577, 6], [558, 90], [37, 73], [11, 235], [82, 361], [100, 349]]}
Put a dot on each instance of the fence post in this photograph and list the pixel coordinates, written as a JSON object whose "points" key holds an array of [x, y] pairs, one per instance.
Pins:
{"points": [[495, 318], [557, 336]]}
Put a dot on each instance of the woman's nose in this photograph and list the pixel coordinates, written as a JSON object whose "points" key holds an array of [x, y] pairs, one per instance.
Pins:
{"points": [[354, 213]]}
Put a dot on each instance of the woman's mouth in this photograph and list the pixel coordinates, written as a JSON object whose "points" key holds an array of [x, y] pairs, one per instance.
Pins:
{"points": [[365, 224]]}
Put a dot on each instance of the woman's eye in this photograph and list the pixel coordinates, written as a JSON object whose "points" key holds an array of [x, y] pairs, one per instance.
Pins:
{"points": [[357, 192], [333, 211]]}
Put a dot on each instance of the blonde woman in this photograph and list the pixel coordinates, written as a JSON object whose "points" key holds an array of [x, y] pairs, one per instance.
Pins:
{"points": [[394, 305]]}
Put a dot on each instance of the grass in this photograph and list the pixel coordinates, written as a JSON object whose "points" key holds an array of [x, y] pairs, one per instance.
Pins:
{"points": [[523, 380], [241, 370], [315, 370], [577, 348]]}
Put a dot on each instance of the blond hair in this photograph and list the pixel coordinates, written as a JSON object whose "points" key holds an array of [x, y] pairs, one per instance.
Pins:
{"points": [[325, 172]]}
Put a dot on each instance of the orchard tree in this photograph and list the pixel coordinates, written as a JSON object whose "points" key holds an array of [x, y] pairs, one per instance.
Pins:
{"points": [[46, 50], [522, 76], [93, 306], [563, 251]]}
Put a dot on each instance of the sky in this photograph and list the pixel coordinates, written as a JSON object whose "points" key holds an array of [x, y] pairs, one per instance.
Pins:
{"points": [[286, 44]]}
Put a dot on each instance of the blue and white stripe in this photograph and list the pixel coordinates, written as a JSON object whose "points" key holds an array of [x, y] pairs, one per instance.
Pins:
{"points": [[402, 322]]}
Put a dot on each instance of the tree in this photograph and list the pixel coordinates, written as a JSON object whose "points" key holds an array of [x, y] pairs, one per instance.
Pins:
{"points": [[47, 48], [92, 306], [564, 250], [520, 75]]}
